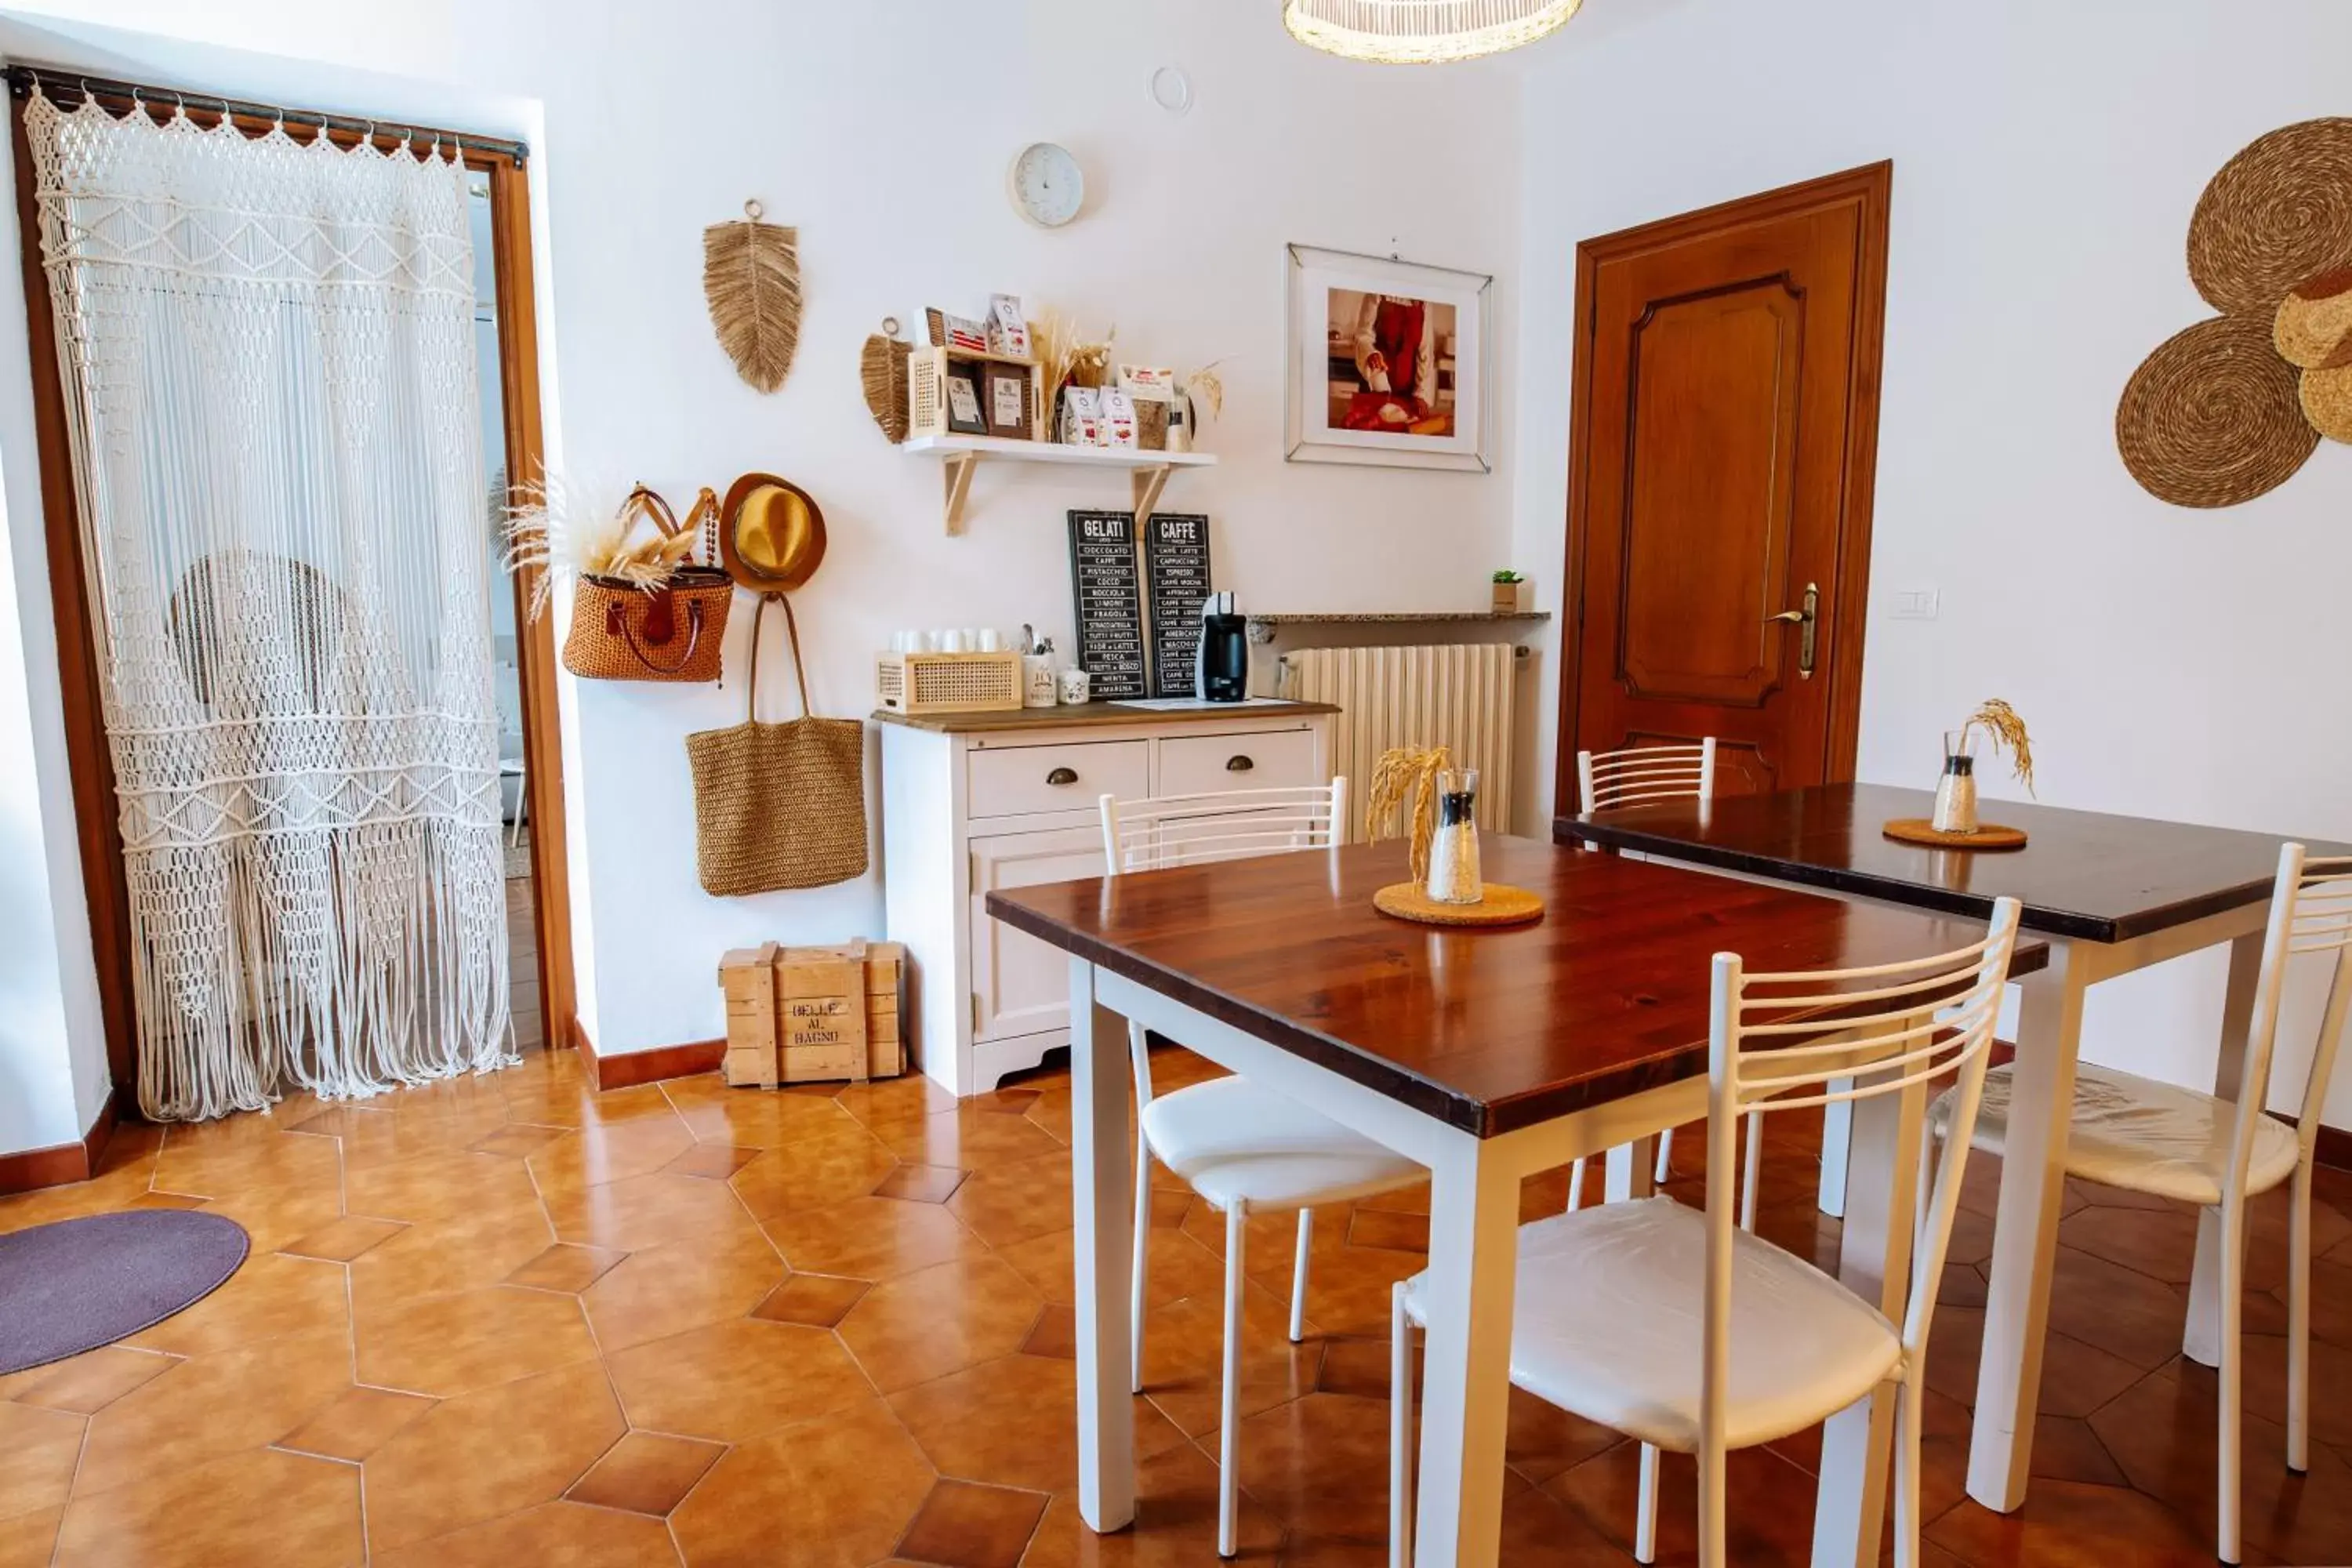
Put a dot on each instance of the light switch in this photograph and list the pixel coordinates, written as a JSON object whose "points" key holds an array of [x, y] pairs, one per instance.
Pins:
{"points": [[1912, 605]]}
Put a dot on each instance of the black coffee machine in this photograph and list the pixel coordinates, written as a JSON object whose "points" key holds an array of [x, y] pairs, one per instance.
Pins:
{"points": [[1221, 668]]}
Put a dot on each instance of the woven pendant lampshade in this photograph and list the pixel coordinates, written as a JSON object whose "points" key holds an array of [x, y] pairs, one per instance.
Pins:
{"points": [[1423, 32]]}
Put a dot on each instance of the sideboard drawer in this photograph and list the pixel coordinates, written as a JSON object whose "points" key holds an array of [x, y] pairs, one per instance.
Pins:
{"points": [[1205, 764], [1022, 779]]}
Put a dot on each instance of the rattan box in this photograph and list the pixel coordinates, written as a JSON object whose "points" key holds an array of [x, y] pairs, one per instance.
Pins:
{"points": [[947, 682]]}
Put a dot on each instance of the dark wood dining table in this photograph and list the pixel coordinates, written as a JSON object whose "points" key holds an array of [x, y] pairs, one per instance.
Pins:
{"points": [[1486, 1055], [2110, 895]]}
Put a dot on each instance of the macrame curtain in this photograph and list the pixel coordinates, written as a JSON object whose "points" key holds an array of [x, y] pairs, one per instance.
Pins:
{"points": [[267, 347]]}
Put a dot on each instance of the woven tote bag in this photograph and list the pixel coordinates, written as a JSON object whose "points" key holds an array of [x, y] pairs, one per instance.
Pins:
{"points": [[622, 632], [778, 805]]}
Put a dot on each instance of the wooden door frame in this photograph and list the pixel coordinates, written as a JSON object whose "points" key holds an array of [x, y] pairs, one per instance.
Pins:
{"points": [[1872, 186], [98, 827]]}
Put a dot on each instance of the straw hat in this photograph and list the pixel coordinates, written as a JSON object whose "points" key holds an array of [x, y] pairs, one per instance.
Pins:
{"points": [[770, 535]]}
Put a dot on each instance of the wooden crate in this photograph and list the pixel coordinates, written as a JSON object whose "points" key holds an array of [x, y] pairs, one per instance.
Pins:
{"points": [[927, 369], [813, 1014]]}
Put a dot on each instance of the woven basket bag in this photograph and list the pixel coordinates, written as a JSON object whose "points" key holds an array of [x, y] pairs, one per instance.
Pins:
{"points": [[622, 632], [778, 805]]}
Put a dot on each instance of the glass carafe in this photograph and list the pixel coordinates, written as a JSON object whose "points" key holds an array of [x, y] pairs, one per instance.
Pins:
{"points": [[1453, 847], [1955, 789]]}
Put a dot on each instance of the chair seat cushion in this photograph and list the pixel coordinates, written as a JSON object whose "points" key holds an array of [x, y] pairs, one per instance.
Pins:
{"points": [[2144, 1136], [1610, 1324], [1231, 1139]]}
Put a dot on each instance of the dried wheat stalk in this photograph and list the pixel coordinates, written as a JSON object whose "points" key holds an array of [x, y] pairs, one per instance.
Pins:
{"points": [[1402, 770], [752, 277], [2000, 723], [1206, 388]]}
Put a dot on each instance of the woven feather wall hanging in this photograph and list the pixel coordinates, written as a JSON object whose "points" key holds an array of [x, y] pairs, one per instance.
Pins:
{"points": [[751, 279], [883, 369], [2231, 407]]}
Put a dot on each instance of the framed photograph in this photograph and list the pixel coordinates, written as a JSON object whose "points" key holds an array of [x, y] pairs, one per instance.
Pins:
{"points": [[964, 416], [1387, 363]]}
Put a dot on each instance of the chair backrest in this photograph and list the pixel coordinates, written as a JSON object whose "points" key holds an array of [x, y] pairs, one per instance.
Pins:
{"points": [[1890, 1029], [1228, 824], [2311, 912], [1641, 774], [1145, 835]]}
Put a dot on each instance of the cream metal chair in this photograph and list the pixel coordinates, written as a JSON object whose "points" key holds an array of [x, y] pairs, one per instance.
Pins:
{"points": [[1641, 775], [1242, 1147], [2144, 1136], [1675, 1327]]}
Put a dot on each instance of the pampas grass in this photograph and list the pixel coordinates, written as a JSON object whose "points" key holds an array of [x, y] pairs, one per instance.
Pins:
{"points": [[584, 528], [2002, 726]]}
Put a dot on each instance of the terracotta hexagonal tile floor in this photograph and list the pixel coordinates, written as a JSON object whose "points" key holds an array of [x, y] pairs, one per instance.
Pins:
{"points": [[840, 1490], [511, 1321]]}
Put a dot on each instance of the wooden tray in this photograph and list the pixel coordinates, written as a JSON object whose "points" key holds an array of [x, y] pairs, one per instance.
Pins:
{"points": [[1988, 835], [1502, 906]]}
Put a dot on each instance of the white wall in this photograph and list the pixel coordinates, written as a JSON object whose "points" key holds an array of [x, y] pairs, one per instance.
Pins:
{"points": [[2172, 663], [884, 131]]}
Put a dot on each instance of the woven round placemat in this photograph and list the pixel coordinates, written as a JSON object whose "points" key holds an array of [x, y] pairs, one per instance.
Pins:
{"points": [[2313, 327], [1988, 835], [2212, 417], [2278, 212], [1502, 906]]}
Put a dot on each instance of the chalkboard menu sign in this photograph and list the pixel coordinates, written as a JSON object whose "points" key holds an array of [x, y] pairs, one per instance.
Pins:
{"points": [[1176, 568], [1108, 594]]}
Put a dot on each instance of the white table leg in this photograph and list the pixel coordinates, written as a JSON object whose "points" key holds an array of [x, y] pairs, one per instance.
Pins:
{"points": [[1630, 1172], [1837, 1138], [2200, 1339], [1874, 1261], [2026, 1229], [1102, 1209], [1466, 1367]]}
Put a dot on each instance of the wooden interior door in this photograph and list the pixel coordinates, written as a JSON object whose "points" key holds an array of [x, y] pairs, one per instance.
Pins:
{"points": [[1723, 434]]}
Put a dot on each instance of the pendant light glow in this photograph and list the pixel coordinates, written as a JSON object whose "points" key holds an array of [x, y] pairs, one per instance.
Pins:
{"points": [[1423, 32]]}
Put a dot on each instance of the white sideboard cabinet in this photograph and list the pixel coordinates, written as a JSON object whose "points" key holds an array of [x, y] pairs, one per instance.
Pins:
{"points": [[976, 802]]}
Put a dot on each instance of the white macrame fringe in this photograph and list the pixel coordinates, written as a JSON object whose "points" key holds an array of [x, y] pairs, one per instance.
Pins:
{"points": [[267, 349]]}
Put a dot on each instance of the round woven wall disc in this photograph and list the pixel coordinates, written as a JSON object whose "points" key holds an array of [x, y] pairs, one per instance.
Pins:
{"points": [[2212, 417], [2327, 402], [2277, 213], [2314, 324]]}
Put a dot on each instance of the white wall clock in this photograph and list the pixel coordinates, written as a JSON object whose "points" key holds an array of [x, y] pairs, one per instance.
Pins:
{"points": [[1048, 187]]}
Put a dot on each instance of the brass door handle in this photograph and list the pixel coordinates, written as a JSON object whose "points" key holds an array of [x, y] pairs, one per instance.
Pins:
{"points": [[1808, 621], [1062, 776]]}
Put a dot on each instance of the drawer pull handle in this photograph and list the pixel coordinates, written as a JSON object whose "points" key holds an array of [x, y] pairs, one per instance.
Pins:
{"points": [[1062, 776], [1241, 765]]}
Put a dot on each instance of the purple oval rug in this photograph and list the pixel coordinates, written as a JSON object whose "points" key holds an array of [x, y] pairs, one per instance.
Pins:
{"points": [[81, 1283]]}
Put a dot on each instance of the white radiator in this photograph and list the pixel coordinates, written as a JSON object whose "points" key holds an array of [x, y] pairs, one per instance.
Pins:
{"points": [[1456, 695]]}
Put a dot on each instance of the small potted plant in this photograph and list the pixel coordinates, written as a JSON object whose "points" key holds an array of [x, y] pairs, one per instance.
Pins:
{"points": [[1514, 595]]}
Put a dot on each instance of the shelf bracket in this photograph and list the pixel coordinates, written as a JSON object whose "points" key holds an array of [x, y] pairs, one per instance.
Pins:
{"points": [[1148, 483], [957, 479]]}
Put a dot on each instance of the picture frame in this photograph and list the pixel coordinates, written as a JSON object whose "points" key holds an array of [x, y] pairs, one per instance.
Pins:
{"points": [[1387, 362], [965, 416]]}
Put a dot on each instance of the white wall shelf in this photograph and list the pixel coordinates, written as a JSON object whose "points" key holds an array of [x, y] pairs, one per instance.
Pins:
{"points": [[962, 454]]}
